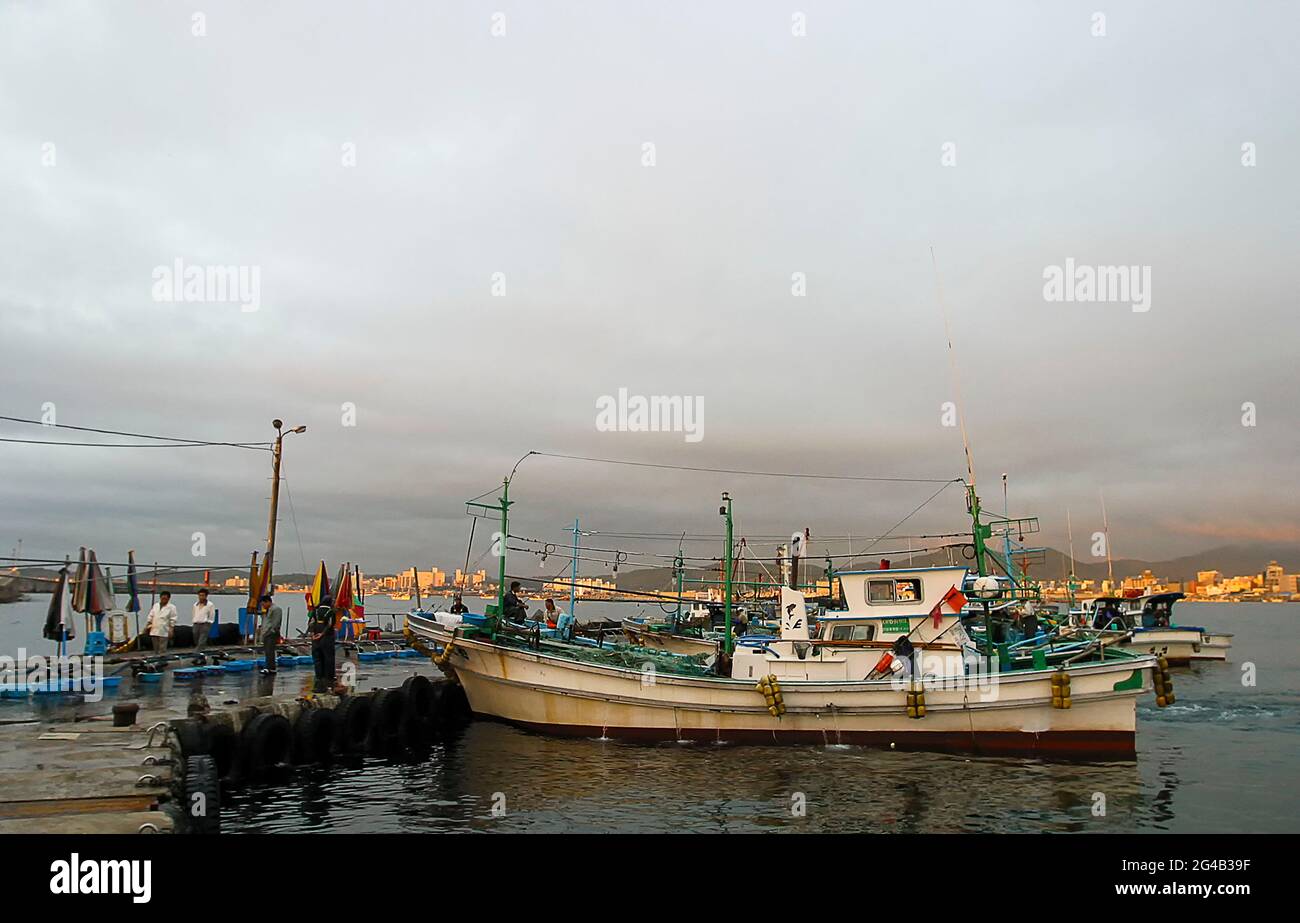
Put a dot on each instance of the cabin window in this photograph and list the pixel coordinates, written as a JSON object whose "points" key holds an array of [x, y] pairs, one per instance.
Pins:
{"points": [[880, 591], [902, 590], [853, 633]]}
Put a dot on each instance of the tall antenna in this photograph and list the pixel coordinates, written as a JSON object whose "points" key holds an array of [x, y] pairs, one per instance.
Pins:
{"points": [[1069, 531], [1105, 530], [952, 365]]}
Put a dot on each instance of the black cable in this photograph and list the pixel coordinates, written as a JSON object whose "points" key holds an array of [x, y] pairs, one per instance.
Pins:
{"points": [[765, 474], [112, 432]]}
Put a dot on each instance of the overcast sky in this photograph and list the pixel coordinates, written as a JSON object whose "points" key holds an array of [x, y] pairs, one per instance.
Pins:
{"points": [[377, 164]]}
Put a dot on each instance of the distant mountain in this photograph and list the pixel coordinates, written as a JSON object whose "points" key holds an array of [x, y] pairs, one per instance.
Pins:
{"points": [[1231, 560]]}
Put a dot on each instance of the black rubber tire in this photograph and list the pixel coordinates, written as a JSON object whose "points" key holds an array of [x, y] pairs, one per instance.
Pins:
{"points": [[389, 705], [227, 633], [453, 707], [386, 722], [313, 736], [264, 744], [416, 733], [419, 696], [202, 795], [352, 724], [192, 736], [223, 746], [182, 636]]}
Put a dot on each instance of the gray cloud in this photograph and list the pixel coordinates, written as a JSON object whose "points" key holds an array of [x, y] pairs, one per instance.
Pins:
{"points": [[521, 155]]}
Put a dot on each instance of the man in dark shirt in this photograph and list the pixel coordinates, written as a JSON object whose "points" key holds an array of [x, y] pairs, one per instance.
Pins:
{"points": [[515, 610], [320, 629], [458, 607]]}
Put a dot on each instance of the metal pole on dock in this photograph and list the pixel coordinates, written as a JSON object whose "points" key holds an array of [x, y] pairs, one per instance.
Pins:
{"points": [[725, 510], [573, 575], [268, 562]]}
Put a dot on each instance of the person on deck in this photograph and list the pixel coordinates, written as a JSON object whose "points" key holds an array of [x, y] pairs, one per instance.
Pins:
{"points": [[162, 618], [513, 606], [201, 620], [271, 627], [552, 614], [320, 629], [457, 606]]}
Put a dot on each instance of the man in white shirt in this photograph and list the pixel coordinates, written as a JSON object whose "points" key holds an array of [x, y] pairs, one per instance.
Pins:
{"points": [[204, 612], [162, 618]]}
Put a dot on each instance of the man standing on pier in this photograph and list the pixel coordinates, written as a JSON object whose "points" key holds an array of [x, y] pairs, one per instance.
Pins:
{"points": [[270, 631], [162, 618], [202, 620], [320, 628]]}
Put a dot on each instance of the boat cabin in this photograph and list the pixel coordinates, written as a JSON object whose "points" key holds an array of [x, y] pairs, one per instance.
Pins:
{"points": [[855, 642]]}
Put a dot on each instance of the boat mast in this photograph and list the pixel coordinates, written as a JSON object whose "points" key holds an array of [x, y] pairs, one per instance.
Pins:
{"points": [[1105, 529], [573, 574], [725, 510]]}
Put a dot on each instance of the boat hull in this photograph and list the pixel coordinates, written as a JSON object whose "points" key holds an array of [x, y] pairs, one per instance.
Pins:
{"points": [[1011, 714], [1179, 646]]}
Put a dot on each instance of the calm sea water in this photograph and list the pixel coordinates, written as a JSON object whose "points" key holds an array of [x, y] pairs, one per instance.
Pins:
{"points": [[1224, 758]]}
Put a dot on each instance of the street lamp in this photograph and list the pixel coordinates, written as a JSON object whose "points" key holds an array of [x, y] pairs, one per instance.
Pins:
{"points": [[276, 453]]}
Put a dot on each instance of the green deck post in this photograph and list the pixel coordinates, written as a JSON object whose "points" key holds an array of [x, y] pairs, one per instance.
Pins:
{"points": [[726, 577]]}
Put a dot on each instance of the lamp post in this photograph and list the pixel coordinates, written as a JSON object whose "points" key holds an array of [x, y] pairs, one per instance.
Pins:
{"points": [[276, 453]]}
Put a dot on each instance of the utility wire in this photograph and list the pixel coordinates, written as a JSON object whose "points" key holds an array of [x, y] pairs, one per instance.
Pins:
{"points": [[764, 474], [174, 441]]}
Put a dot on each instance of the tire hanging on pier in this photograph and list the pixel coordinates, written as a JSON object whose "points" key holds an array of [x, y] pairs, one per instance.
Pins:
{"points": [[264, 744], [388, 710], [352, 724], [313, 736], [201, 798]]}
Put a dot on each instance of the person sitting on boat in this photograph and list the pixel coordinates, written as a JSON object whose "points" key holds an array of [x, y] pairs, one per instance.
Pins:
{"points": [[458, 607], [162, 618], [551, 614], [513, 608]]}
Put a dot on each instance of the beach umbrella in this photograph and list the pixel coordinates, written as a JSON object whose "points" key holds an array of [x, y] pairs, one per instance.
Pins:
{"points": [[81, 583], [58, 618], [343, 588], [342, 596], [132, 584], [320, 587], [98, 598]]}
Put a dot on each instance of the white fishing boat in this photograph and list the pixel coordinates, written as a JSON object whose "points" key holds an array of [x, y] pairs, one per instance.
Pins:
{"points": [[1145, 624], [854, 682]]}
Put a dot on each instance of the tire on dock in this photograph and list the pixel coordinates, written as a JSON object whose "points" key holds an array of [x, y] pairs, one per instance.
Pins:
{"points": [[352, 724], [192, 736], [201, 801], [386, 721], [313, 736], [223, 746], [264, 744], [419, 696], [453, 706]]}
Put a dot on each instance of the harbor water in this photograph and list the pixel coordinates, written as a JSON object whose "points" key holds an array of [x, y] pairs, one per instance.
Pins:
{"points": [[1223, 758]]}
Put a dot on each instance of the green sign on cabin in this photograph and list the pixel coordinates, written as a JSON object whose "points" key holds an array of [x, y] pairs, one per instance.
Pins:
{"points": [[896, 626]]}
